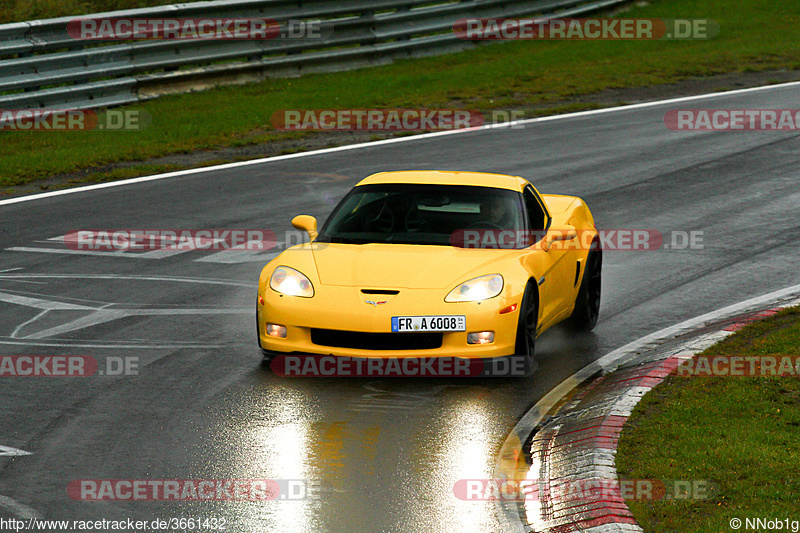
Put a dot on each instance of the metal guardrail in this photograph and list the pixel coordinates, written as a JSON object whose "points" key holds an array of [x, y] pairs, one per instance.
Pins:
{"points": [[42, 66]]}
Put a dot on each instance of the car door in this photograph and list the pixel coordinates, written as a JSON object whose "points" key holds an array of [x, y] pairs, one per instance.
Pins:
{"points": [[554, 276]]}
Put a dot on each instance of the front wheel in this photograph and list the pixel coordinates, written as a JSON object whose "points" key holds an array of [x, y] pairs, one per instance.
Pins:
{"points": [[266, 362], [587, 303], [268, 356], [526, 330]]}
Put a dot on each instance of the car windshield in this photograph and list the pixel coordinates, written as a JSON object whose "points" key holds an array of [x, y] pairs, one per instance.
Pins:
{"points": [[420, 214]]}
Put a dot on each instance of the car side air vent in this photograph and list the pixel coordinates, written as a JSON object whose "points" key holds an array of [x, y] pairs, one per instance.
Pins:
{"points": [[379, 291]]}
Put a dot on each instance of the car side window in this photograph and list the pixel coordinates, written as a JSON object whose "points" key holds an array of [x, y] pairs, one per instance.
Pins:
{"points": [[537, 218]]}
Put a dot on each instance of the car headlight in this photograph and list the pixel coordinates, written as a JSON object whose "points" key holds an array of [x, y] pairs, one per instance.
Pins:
{"points": [[289, 281], [477, 289]]}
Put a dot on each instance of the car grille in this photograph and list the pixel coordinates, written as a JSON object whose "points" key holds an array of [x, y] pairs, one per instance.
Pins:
{"points": [[376, 341]]}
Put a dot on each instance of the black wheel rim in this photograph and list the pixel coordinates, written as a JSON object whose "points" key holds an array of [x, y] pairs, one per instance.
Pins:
{"points": [[531, 321]]}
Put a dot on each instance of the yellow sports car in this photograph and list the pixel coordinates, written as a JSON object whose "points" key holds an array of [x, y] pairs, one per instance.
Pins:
{"points": [[457, 264]]}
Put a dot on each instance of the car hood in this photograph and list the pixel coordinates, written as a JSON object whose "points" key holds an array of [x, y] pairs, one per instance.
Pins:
{"points": [[395, 266]]}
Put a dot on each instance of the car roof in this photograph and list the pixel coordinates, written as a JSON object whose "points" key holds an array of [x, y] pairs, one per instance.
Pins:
{"points": [[442, 177]]}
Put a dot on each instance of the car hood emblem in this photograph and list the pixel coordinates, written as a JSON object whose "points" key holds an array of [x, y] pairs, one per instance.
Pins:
{"points": [[379, 302]]}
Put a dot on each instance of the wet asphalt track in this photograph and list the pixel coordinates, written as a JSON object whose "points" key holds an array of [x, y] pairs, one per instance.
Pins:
{"points": [[384, 453]]}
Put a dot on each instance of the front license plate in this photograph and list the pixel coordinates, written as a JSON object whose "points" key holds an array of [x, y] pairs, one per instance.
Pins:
{"points": [[429, 323]]}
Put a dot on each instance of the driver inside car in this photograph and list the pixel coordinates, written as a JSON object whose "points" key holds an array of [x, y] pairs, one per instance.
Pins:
{"points": [[493, 211]]}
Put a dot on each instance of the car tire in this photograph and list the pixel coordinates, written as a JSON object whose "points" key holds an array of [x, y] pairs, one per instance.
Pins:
{"points": [[268, 355], [587, 303], [266, 362], [526, 329]]}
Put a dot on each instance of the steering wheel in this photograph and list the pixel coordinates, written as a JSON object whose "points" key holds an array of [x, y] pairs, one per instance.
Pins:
{"points": [[384, 220]]}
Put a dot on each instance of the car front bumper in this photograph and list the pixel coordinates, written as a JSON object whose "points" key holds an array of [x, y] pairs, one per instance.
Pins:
{"points": [[344, 310]]}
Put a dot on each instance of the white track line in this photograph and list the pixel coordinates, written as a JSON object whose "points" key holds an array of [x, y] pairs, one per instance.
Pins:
{"points": [[8, 451], [20, 510], [226, 166]]}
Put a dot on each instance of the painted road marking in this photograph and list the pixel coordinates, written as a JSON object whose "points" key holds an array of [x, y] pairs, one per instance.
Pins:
{"points": [[18, 509], [204, 281], [45, 325], [236, 254], [40, 303], [153, 254], [239, 254], [8, 451]]}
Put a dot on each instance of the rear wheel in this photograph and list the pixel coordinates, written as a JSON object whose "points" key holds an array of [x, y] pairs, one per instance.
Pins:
{"points": [[587, 303], [526, 330]]}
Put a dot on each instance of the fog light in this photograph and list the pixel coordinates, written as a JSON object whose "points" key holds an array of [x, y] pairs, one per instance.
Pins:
{"points": [[275, 330], [480, 337]]}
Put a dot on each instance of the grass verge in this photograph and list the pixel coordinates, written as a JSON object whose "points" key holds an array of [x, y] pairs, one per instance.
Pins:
{"points": [[755, 35], [741, 433], [22, 10]]}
